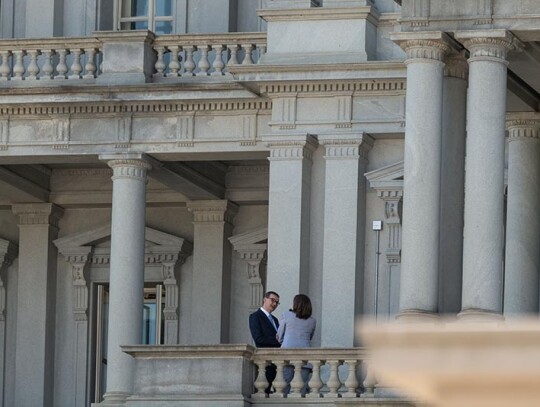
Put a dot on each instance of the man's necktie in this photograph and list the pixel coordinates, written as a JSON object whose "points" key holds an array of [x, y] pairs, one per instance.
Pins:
{"points": [[272, 321]]}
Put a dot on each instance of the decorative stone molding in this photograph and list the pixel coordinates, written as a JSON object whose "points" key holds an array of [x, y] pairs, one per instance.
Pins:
{"points": [[213, 211], [153, 108], [388, 182], [8, 252], [161, 249], [38, 214], [523, 125], [456, 66], [426, 45], [371, 86], [346, 146], [252, 246], [488, 45], [290, 147], [78, 258], [4, 134], [129, 169]]}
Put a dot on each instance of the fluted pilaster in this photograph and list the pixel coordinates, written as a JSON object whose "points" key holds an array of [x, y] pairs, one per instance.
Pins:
{"points": [[344, 225], [288, 213]]}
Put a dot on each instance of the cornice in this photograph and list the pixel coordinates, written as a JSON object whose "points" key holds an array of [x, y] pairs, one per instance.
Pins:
{"points": [[346, 146], [122, 107], [368, 86], [212, 211], [320, 13], [38, 214], [290, 147]]}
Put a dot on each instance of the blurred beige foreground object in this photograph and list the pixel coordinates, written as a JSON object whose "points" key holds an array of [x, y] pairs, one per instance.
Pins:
{"points": [[457, 364]]}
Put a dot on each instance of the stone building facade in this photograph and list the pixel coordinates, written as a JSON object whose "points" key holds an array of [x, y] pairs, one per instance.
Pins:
{"points": [[185, 156]]}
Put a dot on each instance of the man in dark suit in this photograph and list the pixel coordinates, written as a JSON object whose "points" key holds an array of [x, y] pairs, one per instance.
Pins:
{"points": [[263, 326]]}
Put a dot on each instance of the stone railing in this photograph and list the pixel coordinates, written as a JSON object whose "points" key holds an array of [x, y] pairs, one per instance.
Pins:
{"points": [[49, 59], [315, 373], [204, 55], [79, 60]]}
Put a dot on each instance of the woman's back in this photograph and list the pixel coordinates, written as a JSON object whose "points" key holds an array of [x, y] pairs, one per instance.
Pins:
{"points": [[295, 332]]}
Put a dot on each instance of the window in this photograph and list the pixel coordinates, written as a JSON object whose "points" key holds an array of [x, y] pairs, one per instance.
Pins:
{"points": [[153, 15]]}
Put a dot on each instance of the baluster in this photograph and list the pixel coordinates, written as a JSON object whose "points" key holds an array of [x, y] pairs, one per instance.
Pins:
{"points": [[369, 382], [352, 381], [90, 66], [204, 65], [315, 383], [279, 382], [262, 51], [248, 48], [5, 70], [76, 67], [261, 383], [47, 68], [297, 382], [61, 68], [33, 68], [333, 382], [233, 60], [174, 65], [218, 64], [189, 65], [18, 69], [160, 64]]}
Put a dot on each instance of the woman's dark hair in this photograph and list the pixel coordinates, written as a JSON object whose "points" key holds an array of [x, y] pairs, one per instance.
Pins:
{"points": [[302, 306]]}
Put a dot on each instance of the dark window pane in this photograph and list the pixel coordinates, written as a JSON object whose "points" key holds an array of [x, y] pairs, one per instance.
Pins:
{"points": [[163, 7], [163, 27]]}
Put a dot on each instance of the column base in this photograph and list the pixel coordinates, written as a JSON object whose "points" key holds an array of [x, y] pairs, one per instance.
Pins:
{"points": [[417, 316], [479, 315]]}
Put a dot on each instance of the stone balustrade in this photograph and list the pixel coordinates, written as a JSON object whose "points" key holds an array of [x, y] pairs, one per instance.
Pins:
{"points": [[55, 59], [79, 60], [316, 373], [206, 55], [236, 373]]}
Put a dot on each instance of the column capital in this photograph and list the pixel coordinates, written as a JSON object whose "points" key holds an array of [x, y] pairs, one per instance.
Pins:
{"points": [[213, 211], [456, 66], [128, 165], [488, 45], [523, 125], [38, 214], [346, 146], [426, 45], [290, 147]]}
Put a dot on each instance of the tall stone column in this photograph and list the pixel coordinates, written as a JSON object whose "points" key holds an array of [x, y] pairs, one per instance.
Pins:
{"points": [[452, 183], [522, 258], [422, 172], [211, 293], [484, 173], [288, 214], [126, 280], [8, 253], [344, 226], [36, 303]]}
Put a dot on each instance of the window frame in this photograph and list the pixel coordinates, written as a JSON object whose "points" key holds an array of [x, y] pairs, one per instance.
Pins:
{"points": [[151, 18]]}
